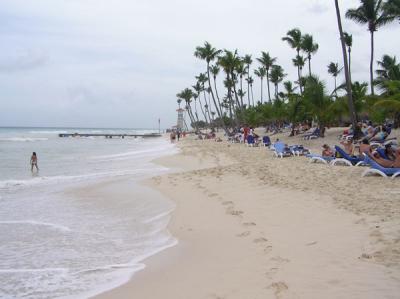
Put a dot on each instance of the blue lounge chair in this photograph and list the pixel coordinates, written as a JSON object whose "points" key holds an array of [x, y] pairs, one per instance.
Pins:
{"points": [[346, 158], [250, 140], [266, 141], [315, 134], [299, 150], [378, 169], [381, 152], [318, 158], [281, 150]]}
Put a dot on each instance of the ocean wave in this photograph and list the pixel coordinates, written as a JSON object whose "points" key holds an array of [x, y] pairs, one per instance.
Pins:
{"points": [[133, 266], [33, 270], [33, 222], [132, 153], [48, 132], [7, 184], [23, 139]]}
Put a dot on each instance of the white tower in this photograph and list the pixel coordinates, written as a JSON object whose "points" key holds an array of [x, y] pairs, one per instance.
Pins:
{"points": [[180, 122]]}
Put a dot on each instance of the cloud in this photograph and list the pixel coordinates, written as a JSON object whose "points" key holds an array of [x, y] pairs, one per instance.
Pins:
{"points": [[25, 61], [318, 7]]}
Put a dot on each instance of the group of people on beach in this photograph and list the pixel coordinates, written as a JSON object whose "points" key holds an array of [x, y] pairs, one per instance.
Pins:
{"points": [[241, 134], [176, 135], [388, 156]]}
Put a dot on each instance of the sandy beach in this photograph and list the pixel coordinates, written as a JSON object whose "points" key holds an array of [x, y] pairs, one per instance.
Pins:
{"points": [[253, 226]]}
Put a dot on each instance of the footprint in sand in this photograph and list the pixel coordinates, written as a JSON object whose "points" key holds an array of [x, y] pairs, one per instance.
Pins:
{"points": [[267, 249], [260, 240], [278, 287], [235, 213], [249, 224], [225, 203], [280, 260], [244, 234], [271, 272]]}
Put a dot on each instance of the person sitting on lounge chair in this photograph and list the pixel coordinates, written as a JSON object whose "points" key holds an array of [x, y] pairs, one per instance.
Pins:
{"points": [[364, 147], [380, 135], [348, 146], [390, 152], [327, 151], [387, 163], [370, 132]]}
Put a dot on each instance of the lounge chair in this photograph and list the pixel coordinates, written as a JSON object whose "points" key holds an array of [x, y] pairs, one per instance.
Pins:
{"points": [[299, 150], [251, 141], [282, 150], [378, 169], [266, 141], [346, 158], [318, 158], [381, 152], [313, 135]]}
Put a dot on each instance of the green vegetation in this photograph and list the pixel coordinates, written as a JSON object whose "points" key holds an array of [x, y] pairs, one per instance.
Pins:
{"points": [[304, 100]]}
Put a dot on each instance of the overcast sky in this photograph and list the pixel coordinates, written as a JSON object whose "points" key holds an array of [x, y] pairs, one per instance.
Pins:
{"points": [[120, 63]]}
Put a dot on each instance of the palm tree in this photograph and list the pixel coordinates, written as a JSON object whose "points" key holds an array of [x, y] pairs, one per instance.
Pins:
{"points": [[390, 100], [353, 115], [393, 7], [261, 73], [293, 38], [289, 89], [187, 96], [202, 79], [214, 69], [209, 54], [389, 71], [198, 88], [250, 81], [372, 13], [299, 62], [248, 61], [348, 40], [241, 70], [317, 101], [310, 48], [267, 62], [333, 69], [277, 76], [228, 62]]}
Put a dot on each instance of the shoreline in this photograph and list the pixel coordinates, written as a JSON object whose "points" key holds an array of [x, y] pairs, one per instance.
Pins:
{"points": [[257, 230]]}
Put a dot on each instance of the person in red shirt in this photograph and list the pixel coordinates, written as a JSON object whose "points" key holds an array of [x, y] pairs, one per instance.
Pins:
{"points": [[246, 131]]}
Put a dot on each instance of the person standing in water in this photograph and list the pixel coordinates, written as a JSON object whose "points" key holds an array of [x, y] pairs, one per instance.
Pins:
{"points": [[34, 162]]}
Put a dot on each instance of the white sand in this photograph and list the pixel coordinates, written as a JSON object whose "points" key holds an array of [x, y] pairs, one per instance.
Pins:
{"points": [[252, 226]]}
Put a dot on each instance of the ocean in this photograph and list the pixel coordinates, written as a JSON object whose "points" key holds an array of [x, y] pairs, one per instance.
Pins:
{"points": [[56, 242]]}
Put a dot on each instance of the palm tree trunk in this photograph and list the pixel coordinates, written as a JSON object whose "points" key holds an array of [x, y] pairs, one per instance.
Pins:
{"points": [[309, 65], [335, 85], [299, 75], [252, 95], [269, 93], [212, 93], [353, 115], [262, 91], [202, 110], [248, 85], [195, 111], [349, 50], [216, 93], [371, 65], [235, 93], [241, 88]]}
